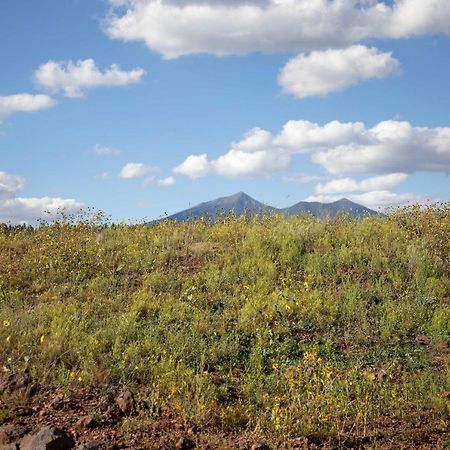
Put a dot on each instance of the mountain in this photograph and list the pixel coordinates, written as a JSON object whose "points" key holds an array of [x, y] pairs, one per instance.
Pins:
{"points": [[238, 204], [242, 203], [330, 209]]}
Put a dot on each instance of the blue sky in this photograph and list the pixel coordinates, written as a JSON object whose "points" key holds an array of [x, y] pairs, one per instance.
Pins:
{"points": [[284, 99]]}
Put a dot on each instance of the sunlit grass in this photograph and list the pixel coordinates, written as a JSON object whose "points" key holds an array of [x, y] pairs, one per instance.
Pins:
{"points": [[287, 327]]}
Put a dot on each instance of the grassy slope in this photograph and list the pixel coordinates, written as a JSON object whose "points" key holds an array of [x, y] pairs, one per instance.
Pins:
{"points": [[287, 327]]}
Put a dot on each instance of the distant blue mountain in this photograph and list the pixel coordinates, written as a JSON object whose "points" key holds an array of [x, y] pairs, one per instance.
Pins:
{"points": [[330, 209], [242, 204]]}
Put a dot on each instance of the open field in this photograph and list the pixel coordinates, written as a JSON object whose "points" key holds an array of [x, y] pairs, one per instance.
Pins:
{"points": [[296, 333]]}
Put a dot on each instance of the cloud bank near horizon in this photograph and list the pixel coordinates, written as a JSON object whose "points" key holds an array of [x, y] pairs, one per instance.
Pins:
{"points": [[26, 210]]}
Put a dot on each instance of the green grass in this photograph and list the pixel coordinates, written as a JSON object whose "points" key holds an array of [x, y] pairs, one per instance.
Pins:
{"points": [[285, 327]]}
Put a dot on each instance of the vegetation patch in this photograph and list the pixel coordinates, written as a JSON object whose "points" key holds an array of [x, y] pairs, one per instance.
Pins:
{"points": [[333, 331]]}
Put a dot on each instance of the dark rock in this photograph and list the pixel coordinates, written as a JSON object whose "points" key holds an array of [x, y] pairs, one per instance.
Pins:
{"points": [[47, 438], [184, 443], [125, 402], [12, 433], [15, 382]]}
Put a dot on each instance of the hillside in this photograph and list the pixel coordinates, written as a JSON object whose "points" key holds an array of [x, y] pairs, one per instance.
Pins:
{"points": [[248, 333]]}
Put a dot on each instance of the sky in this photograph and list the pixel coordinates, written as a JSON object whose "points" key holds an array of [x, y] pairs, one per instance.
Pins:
{"points": [[141, 108]]}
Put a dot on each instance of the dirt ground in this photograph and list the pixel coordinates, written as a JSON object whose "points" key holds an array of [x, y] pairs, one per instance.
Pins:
{"points": [[96, 415]]}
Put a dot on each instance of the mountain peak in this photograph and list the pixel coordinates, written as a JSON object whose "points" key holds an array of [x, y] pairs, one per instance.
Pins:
{"points": [[241, 203], [239, 195], [343, 200]]}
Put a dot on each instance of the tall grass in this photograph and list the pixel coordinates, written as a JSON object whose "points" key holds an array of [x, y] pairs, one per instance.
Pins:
{"points": [[283, 326]]}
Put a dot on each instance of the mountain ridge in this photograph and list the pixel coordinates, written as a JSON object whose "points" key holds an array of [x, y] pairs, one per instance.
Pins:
{"points": [[241, 203]]}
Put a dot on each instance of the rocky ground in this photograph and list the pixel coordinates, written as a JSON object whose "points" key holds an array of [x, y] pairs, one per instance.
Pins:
{"points": [[35, 417]]}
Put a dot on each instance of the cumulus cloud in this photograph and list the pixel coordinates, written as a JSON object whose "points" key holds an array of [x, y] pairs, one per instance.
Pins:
{"points": [[74, 78], [101, 150], [137, 170], [249, 158], [165, 182], [375, 192], [194, 166], [181, 27], [390, 147], [321, 72], [17, 210], [378, 183], [240, 164], [11, 104], [377, 200]]}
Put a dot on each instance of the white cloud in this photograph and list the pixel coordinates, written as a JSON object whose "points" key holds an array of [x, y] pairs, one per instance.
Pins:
{"points": [[137, 170], [251, 157], [302, 136], [169, 181], [16, 210], [390, 147], [194, 166], [321, 72], [374, 192], [10, 184], [11, 104], [73, 78], [240, 164], [378, 183], [28, 210], [101, 150], [377, 200], [182, 27]]}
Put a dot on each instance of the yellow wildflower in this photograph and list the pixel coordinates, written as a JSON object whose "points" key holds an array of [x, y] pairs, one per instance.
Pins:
{"points": [[8, 339], [42, 339], [6, 323]]}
